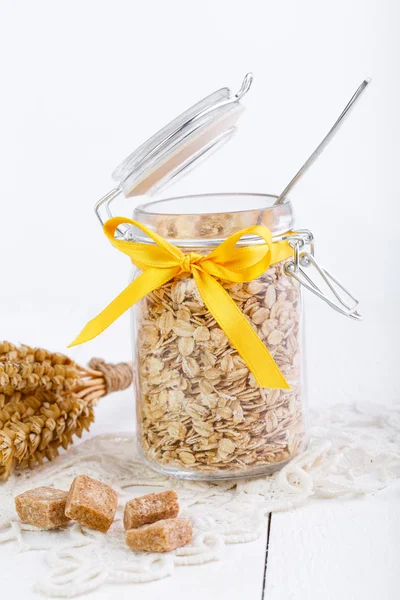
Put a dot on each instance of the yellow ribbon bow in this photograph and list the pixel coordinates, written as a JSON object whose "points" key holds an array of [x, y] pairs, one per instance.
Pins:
{"points": [[163, 261]]}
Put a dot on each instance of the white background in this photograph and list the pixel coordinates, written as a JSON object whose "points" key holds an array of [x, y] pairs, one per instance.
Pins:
{"points": [[85, 82]]}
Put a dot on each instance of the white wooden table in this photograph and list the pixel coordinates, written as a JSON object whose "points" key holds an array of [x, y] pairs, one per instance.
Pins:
{"points": [[328, 549]]}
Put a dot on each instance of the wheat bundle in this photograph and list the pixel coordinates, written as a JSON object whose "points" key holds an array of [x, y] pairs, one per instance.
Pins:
{"points": [[46, 399]]}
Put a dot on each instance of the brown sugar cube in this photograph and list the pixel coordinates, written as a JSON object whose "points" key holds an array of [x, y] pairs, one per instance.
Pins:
{"points": [[91, 503], [43, 507], [150, 508], [162, 536]]}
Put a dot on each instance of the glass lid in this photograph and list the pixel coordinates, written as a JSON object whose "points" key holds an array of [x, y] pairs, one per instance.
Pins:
{"points": [[173, 149]]}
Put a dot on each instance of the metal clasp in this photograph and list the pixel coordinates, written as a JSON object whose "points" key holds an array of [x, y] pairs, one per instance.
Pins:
{"points": [[302, 242]]}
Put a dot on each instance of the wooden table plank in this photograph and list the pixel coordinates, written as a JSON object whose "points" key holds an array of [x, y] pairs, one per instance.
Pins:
{"points": [[347, 549], [239, 575]]}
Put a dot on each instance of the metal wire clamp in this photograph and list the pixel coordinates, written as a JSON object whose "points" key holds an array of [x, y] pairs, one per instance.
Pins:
{"points": [[341, 299]]}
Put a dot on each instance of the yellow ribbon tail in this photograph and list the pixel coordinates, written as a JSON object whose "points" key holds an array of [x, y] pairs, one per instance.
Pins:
{"points": [[239, 331], [148, 281]]}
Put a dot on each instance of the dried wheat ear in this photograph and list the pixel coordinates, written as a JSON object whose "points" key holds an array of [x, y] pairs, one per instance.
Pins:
{"points": [[46, 399]]}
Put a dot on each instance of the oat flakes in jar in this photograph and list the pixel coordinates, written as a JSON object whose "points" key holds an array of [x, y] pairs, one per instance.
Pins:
{"points": [[216, 301]]}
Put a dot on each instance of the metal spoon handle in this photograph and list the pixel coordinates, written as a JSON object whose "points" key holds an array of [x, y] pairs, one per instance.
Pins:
{"points": [[324, 142]]}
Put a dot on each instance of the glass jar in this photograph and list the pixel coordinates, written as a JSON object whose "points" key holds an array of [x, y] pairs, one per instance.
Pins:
{"points": [[200, 412]]}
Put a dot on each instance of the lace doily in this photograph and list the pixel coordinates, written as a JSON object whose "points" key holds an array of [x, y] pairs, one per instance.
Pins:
{"points": [[353, 450]]}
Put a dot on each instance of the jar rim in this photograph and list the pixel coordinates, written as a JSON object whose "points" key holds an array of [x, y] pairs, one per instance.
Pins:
{"points": [[142, 208], [200, 229]]}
